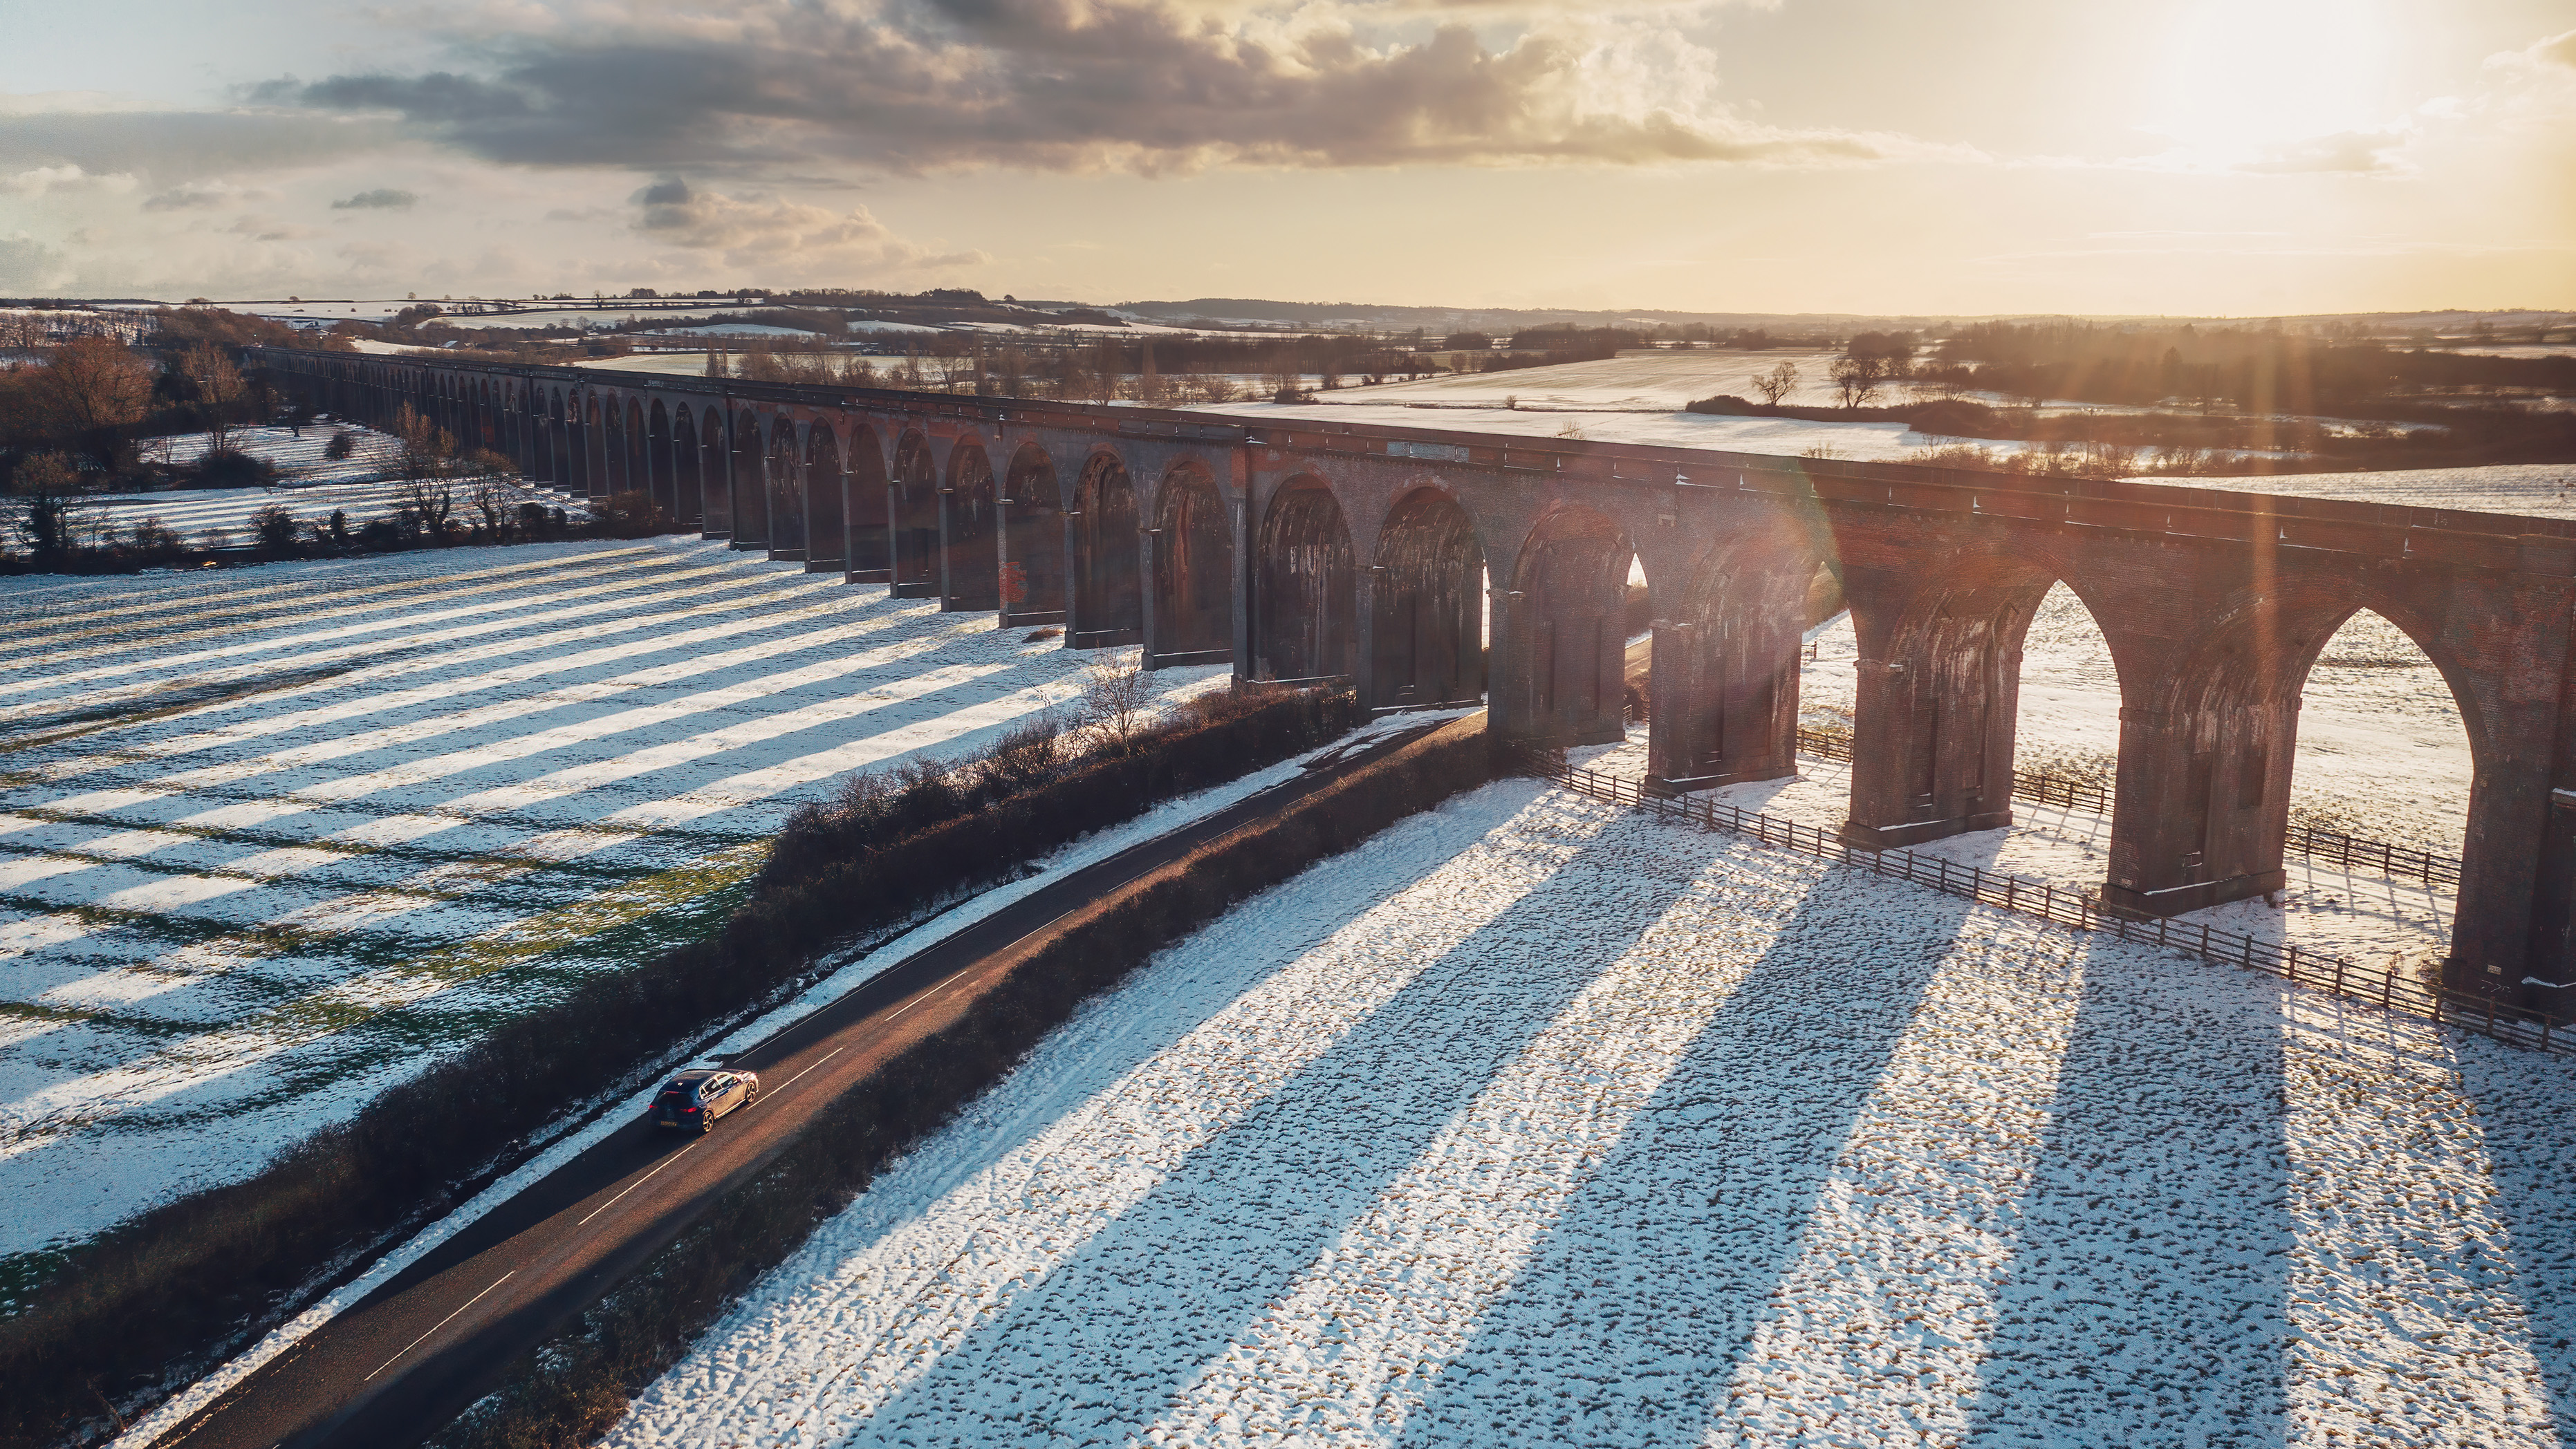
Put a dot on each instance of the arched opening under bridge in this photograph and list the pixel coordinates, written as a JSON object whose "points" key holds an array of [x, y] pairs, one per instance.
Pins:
{"points": [[1306, 596], [869, 553], [658, 458], [688, 475], [1726, 663], [913, 506], [1427, 595], [1941, 693], [1193, 550], [785, 476], [1032, 579], [638, 469], [1570, 594], [749, 470], [1108, 597], [825, 537], [970, 566]]}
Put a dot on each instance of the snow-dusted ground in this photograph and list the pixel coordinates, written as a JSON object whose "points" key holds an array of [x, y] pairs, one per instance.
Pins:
{"points": [[272, 838], [1784, 437], [2536, 490], [310, 485], [1534, 1121], [1658, 381]]}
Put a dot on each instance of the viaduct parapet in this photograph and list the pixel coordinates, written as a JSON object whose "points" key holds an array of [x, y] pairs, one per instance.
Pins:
{"points": [[1311, 550]]}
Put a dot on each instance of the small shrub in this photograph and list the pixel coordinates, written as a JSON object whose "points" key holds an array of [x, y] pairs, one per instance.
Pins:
{"points": [[339, 528], [342, 444], [232, 468], [630, 515], [533, 521], [155, 544], [278, 533], [381, 535]]}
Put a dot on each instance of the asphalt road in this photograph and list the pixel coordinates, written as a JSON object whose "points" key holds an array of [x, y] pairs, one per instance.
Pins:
{"points": [[394, 1368]]}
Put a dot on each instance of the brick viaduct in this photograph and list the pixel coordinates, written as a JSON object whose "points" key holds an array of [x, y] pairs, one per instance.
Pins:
{"points": [[1299, 549]]}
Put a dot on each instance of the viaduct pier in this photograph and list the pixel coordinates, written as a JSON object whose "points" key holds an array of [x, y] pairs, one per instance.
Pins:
{"points": [[1430, 567]]}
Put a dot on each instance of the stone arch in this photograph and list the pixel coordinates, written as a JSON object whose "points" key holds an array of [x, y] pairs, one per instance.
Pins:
{"points": [[825, 535], [1306, 587], [1108, 588], [688, 476], [1570, 594], [747, 468], [785, 477], [612, 444], [1937, 688], [969, 532], [558, 440], [1193, 550], [1033, 544], [870, 538], [594, 456], [638, 453], [1426, 605], [659, 463], [2209, 745], [912, 506], [1726, 661]]}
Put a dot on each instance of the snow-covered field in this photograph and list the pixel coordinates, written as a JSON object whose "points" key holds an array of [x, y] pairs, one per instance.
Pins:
{"points": [[2537, 490], [1658, 381], [310, 485], [1783, 437], [1534, 1121], [272, 838]]}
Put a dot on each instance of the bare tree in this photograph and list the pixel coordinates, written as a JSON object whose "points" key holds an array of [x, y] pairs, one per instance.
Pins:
{"points": [[1117, 694], [219, 388], [1776, 384], [424, 471], [1858, 379]]}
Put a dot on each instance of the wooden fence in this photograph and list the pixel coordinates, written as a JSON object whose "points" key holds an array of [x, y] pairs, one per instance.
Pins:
{"points": [[2073, 792], [2067, 906]]}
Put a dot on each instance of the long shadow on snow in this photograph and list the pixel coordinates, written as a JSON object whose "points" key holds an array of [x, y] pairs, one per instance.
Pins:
{"points": [[2146, 1301], [1629, 1312], [1166, 1286], [2520, 1099]]}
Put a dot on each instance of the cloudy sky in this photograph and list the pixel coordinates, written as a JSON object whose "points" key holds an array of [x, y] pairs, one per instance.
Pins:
{"points": [[2144, 156]]}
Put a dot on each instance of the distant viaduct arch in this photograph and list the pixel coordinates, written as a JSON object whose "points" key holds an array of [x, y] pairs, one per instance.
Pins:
{"points": [[1437, 567]]}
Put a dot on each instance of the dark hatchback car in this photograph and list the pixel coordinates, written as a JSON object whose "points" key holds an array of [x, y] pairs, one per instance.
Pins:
{"points": [[693, 1100]]}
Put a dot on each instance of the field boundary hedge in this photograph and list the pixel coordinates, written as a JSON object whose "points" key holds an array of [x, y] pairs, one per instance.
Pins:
{"points": [[149, 1306], [575, 1385]]}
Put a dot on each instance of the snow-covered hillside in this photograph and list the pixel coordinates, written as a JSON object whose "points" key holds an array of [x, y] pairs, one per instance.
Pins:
{"points": [[1532, 1121], [270, 838], [309, 485]]}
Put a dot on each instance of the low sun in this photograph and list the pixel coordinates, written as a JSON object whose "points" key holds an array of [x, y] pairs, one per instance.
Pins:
{"points": [[2247, 74]]}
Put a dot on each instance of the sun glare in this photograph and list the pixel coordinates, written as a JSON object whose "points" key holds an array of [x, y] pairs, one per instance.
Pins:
{"points": [[2247, 74]]}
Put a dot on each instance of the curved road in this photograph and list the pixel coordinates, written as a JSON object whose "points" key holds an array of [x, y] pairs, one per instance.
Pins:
{"points": [[394, 1368]]}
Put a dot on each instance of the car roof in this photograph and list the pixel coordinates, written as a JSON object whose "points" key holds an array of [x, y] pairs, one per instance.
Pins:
{"points": [[696, 1074]]}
